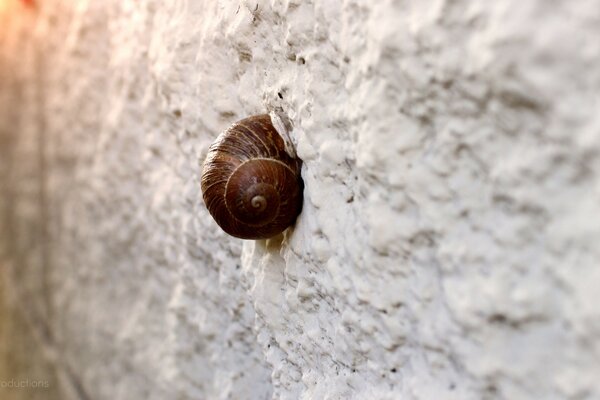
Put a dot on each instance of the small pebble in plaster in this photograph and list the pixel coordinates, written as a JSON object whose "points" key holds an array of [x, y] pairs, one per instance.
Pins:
{"points": [[251, 180]]}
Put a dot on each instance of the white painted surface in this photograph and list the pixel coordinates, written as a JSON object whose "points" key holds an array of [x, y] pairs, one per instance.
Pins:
{"points": [[448, 245]]}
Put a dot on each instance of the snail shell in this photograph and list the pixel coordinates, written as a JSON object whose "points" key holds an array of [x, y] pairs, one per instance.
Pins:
{"points": [[250, 184]]}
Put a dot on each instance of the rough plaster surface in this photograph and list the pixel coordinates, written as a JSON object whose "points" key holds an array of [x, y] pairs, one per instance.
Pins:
{"points": [[448, 245]]}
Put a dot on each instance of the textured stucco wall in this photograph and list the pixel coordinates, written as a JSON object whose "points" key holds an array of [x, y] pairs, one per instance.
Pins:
{"points": [[449, 243]]}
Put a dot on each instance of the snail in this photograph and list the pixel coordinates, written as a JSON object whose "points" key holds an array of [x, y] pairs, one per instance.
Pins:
{"points": [[251, 180]]}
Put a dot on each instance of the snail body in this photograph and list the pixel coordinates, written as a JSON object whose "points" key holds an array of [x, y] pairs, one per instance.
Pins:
{"points": [[250, 184]]}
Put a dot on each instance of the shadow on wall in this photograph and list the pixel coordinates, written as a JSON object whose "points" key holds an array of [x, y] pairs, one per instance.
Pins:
{"points": [[25, 374]]}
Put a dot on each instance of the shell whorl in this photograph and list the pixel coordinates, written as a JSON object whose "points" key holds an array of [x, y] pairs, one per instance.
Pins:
{"points": [[250, 184]]}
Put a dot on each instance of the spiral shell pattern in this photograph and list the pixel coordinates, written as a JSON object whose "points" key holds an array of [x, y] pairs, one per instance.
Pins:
{"points": [[250, 185]]}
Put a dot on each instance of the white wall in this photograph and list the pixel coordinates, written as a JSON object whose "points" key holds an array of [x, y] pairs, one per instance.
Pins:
{"points": [[448, 245]]}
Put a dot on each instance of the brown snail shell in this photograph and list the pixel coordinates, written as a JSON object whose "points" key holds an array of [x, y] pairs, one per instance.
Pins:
{"points": [[250, 184]]}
